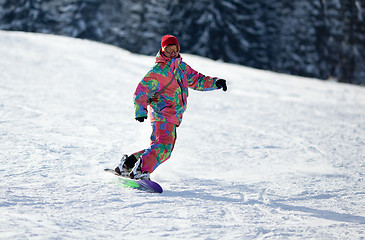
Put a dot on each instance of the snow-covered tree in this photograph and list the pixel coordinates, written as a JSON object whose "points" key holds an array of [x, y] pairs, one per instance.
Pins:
{"points": [[222, 29], [353, 45], [23, 15]]}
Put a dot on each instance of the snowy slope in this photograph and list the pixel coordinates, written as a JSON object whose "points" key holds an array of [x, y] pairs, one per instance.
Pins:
{"points": [[274, 157]]}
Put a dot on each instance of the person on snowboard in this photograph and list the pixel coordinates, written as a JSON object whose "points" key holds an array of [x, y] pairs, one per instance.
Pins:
{"points": [[162, 94]]}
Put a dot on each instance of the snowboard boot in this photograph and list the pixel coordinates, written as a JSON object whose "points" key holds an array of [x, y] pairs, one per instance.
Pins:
{"points": [[137, 173], [126, 164]]}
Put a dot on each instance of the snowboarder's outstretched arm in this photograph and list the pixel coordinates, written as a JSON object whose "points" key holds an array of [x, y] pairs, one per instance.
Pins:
{"points": [[200, 82]]}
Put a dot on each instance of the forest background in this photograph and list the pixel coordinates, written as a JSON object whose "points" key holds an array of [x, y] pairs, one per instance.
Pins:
{"points": [[323, 39]]}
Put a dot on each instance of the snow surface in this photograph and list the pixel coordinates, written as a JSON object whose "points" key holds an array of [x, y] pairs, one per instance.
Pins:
{"points": [[274, 157]]}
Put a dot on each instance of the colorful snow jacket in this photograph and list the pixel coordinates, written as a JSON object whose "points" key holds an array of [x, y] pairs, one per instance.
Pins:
{"points": [[170, 105]]}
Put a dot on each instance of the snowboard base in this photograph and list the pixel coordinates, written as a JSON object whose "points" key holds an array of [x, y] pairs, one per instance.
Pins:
{"points": [[144, 185]]}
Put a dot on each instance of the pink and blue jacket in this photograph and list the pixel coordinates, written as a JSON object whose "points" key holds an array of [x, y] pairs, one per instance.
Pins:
{"points": [[170, 105]]}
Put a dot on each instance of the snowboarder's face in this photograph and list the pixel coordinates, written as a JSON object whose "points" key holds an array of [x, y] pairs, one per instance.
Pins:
{"points": [[171, 51]]}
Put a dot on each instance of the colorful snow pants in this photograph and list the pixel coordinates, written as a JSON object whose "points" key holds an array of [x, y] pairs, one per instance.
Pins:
{"points": [[163, 139]]}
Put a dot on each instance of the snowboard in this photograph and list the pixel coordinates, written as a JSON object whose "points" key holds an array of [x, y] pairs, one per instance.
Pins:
{"points": [[144, 185]]}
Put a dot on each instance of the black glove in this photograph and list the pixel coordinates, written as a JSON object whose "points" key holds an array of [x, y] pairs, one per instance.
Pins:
{"points": [[221, 83], [141, 119]]}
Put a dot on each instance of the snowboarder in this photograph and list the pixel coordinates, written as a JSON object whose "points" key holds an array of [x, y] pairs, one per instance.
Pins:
{"points": [[162, 94]]}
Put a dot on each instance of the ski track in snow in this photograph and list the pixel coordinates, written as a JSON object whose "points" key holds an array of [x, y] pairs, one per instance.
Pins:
{"points": [[274, 157]]}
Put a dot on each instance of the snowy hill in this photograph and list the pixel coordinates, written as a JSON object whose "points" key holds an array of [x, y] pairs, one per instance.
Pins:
{"points": [[274, 157]]}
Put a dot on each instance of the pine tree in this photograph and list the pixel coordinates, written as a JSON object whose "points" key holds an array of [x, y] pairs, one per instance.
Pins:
{"points": [[226, 30], [271, 38], [81, 19], [156, 24], [22, 15], [335, 38], [353, 60], [136, 25]]}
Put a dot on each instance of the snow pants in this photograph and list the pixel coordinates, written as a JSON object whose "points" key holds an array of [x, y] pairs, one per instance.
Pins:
{"points": [[163, 139]]}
